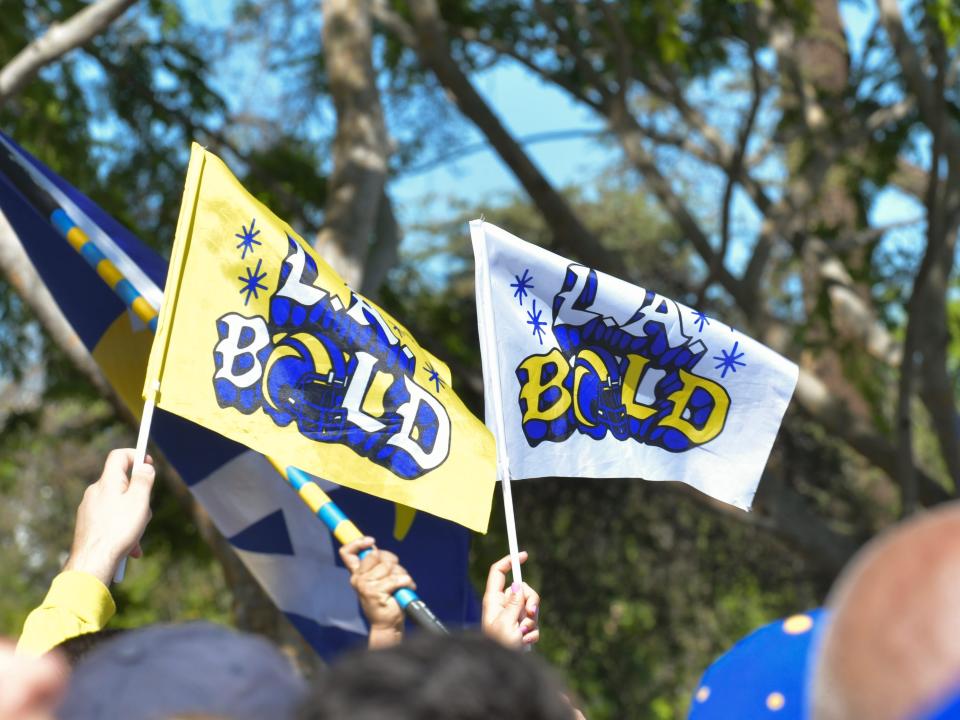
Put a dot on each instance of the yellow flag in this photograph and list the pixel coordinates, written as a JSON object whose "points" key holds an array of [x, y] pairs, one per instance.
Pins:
{"points": [[261, 341]]}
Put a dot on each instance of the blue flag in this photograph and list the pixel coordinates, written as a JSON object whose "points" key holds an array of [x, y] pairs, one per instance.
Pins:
{"points": [[287, 548]]}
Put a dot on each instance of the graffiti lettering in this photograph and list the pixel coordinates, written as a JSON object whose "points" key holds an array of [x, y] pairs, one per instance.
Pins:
{"points": [[630, 376], [341, 374]]}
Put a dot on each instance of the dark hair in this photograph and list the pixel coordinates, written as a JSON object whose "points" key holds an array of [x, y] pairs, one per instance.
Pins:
{"points": [[79, 645], [429, 677]]}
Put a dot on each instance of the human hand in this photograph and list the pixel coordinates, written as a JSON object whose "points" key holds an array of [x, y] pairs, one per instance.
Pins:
{"points": [[30, 688], [112, 516], [510, 617], [375, 578]]}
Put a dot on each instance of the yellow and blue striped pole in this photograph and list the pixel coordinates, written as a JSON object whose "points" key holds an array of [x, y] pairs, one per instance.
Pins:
{"points": [[89, 251], [45, 203], [345, 531]]}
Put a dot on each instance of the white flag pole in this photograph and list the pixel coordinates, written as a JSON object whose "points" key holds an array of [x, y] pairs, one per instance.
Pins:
{"points": [[140, 454], [511, 527], [492, 364]]}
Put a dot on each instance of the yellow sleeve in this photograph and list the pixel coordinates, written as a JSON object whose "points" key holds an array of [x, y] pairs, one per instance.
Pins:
{"points": [[77, 603]]}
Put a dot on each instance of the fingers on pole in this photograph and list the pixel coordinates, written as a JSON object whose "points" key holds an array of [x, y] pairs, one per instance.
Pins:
{"points": [[116, 467], [350, 553]]}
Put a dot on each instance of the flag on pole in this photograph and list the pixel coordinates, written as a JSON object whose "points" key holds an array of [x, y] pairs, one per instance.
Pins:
{"points": [[586, 375], [260, 340], [288, 550]]}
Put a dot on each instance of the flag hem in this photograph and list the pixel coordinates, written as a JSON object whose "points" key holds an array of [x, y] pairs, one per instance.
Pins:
{"points": [[488, 355], [188, 212]]}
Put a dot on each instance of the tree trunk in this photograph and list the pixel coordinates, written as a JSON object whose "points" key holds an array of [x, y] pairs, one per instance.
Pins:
{"points": [[361, 149], [569, 232]]}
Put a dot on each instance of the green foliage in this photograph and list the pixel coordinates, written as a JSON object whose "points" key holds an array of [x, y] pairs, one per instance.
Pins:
{"points": [[946, 14], [49, 455], [642, 587], [953, 326]]}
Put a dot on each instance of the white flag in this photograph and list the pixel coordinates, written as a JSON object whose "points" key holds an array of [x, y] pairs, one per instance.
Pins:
{"points": [[586, 375]]}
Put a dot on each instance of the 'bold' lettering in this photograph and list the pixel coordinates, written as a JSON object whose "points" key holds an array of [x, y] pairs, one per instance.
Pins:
{"points": [[536, 389], [426, 459], [356, 390], [592, 362], [709, 427], [244, 338], [636, 365]]}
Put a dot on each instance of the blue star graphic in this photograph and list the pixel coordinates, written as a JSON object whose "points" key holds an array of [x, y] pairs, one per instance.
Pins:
{"points": [[251, 283], [700, 319], [434, 376], [729, 361], [247, 238], [522, 285], [535, 321]]}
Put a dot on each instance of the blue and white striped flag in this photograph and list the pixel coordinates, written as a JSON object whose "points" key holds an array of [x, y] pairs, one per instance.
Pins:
{"points": [[95, 276], [586, 375]]}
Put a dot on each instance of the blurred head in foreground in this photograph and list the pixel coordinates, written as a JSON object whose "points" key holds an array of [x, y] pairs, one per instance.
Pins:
{"points": [[179, 671], [76, 648], [892, 647], [31, 688], [455, 677]]}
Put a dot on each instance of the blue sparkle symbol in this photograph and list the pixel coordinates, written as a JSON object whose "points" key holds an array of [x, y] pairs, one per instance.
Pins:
{"points": [[251, 283], [700, 319], [729, 361], [434, 376], [522, 285], [247, 240], [535, 321]]}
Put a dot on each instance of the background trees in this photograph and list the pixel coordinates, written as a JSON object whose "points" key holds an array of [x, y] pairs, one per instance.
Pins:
{"points": [[791, 167]]}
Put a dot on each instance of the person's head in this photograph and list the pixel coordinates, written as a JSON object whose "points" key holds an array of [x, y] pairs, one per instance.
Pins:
{"points": [[455, 677], [76, 648], [30, 687], [187, 670], [892, 645]]}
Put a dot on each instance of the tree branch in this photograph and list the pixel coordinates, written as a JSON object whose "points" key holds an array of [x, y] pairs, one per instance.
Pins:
{"points": [[572, 48], [510, 51], [833, 413], [916, 80], [457, 153], [790, 516], [570, 234], [624, 125], [59, 39], [734, 171], [926, 332]]}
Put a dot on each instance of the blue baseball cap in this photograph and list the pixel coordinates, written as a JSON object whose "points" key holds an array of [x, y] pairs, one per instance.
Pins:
{"points": [[765, 675], [163, 671]]}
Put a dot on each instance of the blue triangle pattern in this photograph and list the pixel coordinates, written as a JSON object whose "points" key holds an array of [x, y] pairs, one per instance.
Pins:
{"points": [[268, 535]]}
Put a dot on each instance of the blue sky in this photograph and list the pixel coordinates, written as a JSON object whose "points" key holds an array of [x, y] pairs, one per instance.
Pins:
{"points": [[526, 107]]}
